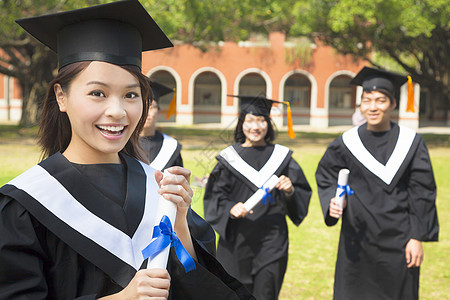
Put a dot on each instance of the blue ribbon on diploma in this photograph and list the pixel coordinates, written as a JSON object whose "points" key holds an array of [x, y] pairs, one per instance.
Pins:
{"points": [[165, 236], [345, 190], [267, 196]]}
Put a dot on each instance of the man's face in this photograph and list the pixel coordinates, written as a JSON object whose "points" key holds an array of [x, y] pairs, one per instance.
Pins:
{"points": [[376, 107]]}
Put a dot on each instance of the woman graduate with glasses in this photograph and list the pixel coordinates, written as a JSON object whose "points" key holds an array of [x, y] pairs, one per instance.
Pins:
{"points": [[253, 245], [392, 208], [74, 226]]}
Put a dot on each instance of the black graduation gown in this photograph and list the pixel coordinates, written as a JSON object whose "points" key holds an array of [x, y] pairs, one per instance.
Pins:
{"points": [[42, 257], [162, 151], [393, 202], [247, 245]]}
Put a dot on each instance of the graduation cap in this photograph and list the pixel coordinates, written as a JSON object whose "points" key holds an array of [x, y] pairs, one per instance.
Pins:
{"points": [[261, 106], [255, 105], [159, 89], [116, 32], [372, 79]]}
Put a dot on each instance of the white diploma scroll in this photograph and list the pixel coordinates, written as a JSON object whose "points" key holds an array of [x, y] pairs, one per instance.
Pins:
{"points": [[168, 208], [342, 181], [258, 195]]}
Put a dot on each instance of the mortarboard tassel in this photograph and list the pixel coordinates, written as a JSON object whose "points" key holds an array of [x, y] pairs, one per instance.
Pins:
{"points": [[410, 103], [172, 106], [291, 132]]}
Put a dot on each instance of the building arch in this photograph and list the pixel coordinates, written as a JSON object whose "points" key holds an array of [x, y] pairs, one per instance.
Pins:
{"points": [[241, 75], [342, 105], [260, 72], [299, 115], [178, 91], [209, 116]]}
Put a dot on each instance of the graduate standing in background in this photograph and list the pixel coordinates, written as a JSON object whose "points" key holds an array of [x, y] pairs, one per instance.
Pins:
{"points": [[74, 226], [253, 246], [392, 210], [162, 150]]}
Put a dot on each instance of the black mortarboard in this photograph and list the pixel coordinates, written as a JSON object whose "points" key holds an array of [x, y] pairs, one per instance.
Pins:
{"points": [[116, 32], [261, 106], [159, 89], [255, 105], [376, 79]]}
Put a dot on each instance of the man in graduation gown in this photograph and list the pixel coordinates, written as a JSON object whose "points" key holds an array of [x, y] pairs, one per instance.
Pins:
{"points": [[254, 248], [392, 209], [162, 150]]}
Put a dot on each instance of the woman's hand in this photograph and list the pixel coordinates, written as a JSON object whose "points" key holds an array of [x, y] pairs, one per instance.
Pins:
{"points": [[335, 210], [239, 210], [285, 184], [414, 253], [146, 284], [176, 187]]}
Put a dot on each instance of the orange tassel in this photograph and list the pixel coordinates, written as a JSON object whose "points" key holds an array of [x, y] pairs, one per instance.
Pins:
{"points": [[290, 124], [172, 107], [410, 103]]}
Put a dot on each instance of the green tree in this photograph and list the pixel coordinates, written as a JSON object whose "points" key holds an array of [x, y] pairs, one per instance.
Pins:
{"points": [[23, 57], [413, 34], [407, 36], [190, 21]]}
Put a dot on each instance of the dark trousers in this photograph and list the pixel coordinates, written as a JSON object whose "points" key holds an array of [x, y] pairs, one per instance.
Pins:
{"points": [[268, 281]]}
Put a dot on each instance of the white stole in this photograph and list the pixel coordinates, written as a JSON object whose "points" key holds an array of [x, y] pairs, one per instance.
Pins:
{"points": [[169, 145], [386, 172], [49, 192]]}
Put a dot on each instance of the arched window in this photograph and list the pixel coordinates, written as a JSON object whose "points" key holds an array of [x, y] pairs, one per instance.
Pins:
{"points": [[297, 90], [207, 98], [252, 84], [341, 101], [166, 79]]}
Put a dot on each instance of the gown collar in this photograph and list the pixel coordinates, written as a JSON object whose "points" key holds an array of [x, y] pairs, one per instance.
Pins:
{"points": [[231, 158], [168, 148], [108, 235], [387, 172]]}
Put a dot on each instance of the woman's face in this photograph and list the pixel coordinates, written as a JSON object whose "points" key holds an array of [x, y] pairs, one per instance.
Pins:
{"points": [[255, 130], [104, 105]]}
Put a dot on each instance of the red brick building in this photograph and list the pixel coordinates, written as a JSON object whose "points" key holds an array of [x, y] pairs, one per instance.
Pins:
{"points": [[311, 76]]}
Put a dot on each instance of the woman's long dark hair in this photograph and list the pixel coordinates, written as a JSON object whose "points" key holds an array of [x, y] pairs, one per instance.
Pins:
{"points": [[239, 136], [55, 131]]}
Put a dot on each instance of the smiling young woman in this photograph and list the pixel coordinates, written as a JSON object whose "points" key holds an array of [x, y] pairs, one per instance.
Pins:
{"points": [[104, 105], [253, 245], [75, 225], [255, 130], [73, 90]]}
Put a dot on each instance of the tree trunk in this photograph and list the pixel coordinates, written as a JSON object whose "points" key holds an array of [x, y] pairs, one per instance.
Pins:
{"points": [[29, 106], [34, 82]]}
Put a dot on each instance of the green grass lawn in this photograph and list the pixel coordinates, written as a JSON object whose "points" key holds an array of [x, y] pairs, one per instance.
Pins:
{"points": [[313, 246]]}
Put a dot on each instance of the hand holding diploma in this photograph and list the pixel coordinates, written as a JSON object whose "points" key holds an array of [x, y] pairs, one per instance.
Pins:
{"points": [[260, 193], [285, 184], [338, 203], [171, 227]]}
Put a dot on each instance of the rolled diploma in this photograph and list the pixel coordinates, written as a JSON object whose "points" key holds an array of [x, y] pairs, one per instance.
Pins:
{"points": [[168, 208], [342, 180], [258, 195]]}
